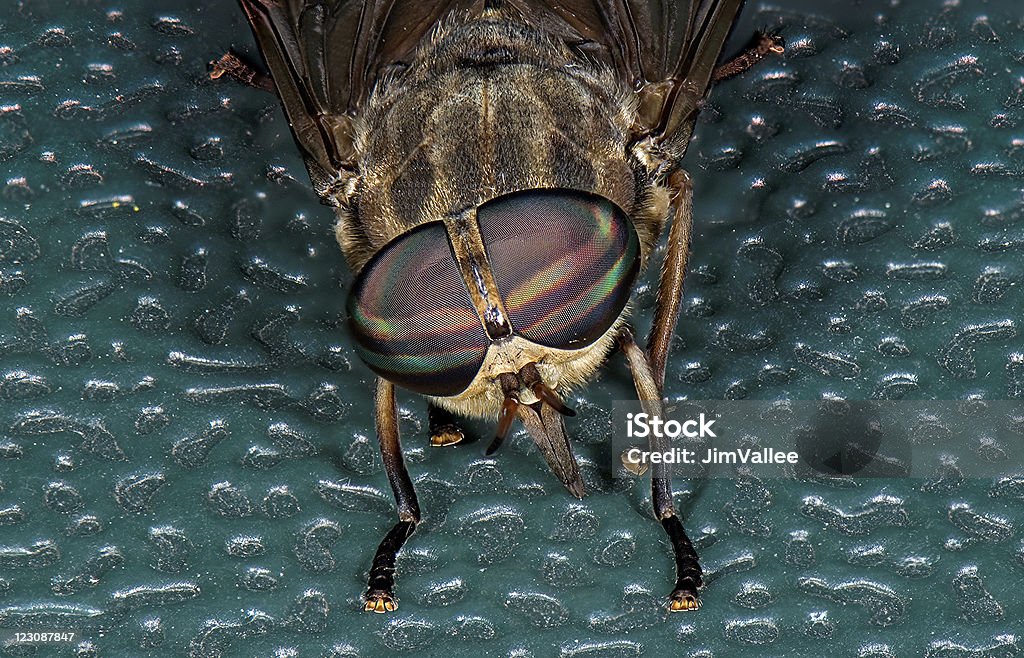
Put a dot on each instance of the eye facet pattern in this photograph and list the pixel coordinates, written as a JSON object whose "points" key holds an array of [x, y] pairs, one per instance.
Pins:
{"points": [[413, 320], [564, 261]]}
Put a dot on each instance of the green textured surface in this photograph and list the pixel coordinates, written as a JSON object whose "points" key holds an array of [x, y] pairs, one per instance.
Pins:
{"points": [[187, 463]]}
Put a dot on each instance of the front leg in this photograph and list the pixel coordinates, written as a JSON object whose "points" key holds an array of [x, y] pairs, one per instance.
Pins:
{"points": [[380, 596], [689, 576], [672, 109]]}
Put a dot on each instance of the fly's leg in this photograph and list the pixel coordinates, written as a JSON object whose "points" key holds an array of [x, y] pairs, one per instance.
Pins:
{"points": [[380, 596], [688, 572], [673, 270], [689, 575], [649, 377], [763, 45], [444, 431], [231, 65], [649, 370]]}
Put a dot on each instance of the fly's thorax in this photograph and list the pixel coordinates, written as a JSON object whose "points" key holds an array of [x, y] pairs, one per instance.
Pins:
{"points": [[489, 107]]}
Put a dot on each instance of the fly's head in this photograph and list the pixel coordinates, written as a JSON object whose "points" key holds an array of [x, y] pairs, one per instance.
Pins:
{"points": [[498, 312]]}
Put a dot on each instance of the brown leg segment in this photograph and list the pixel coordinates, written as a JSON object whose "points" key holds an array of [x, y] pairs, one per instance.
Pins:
{"points": [[764, 45], [673, 270], [231, 65], [688, 572], [379, 594]]}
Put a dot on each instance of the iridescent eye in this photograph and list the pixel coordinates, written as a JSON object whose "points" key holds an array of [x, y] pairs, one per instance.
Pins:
{"points": [[412, 318], [564, 261]]}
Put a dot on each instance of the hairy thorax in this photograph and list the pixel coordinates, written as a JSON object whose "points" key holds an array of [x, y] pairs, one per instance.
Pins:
{"points": [[489, 107]]}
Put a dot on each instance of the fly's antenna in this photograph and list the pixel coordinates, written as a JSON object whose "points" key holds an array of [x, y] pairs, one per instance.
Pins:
{"points": [[533, 381]]}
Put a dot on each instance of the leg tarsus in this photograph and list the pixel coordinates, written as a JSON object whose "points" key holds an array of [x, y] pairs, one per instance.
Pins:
{"points": [[444, 431], [231, 65], [380, 596], [689, 575]]}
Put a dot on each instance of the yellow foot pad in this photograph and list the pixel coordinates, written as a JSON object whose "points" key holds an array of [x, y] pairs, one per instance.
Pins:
{"points": [[684, 603], [228, 63], [448, 435], [380, 602], [635, 467]]}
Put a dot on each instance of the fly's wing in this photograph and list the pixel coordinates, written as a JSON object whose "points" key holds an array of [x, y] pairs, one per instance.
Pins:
{"points": [[325, 57], [666, 48]]}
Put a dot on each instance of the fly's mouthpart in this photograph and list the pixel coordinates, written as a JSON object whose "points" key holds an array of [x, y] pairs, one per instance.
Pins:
{"points": [[511, 383], [546, 395]]}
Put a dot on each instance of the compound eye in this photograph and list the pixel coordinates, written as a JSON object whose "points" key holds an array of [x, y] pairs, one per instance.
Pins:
{"points": [[413, 321], [564, 261]]}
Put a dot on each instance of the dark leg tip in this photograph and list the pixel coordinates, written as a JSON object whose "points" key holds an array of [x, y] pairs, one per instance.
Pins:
{"points": [[380, 601], [446, 435], [684, 597], [689, 575], [684, 601]]}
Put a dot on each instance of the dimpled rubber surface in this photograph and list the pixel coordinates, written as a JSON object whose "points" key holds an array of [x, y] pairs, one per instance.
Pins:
{"points": [[187, 460]]}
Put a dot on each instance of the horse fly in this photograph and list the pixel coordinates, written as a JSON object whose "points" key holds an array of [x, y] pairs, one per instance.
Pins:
{"points": [[501, 171]]}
